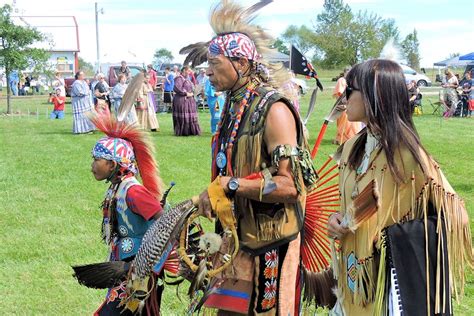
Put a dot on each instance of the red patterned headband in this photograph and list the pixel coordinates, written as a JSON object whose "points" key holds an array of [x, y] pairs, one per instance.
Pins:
{"points": [[234, 45]]}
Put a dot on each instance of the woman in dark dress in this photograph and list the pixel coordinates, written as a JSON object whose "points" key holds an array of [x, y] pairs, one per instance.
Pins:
{"points": [[185, 121]]}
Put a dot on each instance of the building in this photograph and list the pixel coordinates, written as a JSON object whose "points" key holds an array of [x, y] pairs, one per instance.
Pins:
{"points": [[62, 40]]}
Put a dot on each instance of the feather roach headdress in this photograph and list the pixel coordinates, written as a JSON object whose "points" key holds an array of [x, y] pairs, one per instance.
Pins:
{"points": [[228, 18], [121, 133]]}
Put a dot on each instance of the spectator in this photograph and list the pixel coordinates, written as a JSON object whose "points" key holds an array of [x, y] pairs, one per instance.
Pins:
{"points": [[414, 96], [168, 89], [468, 93], [152, 75], [81, 104], [215, 101], [14, 79], [145, 108], [101, 92], [191, 77], [449, 96], [185, 120], [58, 100], [59, 83], [202, 78], [124, 69], [176, 71], [34, 85], [117, 92]]}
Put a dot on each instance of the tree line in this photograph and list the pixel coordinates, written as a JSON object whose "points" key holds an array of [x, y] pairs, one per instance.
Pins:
{"points": [[342, 37]]}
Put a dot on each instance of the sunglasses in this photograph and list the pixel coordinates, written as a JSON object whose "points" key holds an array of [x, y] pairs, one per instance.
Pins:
{"points": [[349, 91]]}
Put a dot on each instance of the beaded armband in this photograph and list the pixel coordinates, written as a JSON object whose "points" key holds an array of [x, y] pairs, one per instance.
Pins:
{"points": [[300, 161]]}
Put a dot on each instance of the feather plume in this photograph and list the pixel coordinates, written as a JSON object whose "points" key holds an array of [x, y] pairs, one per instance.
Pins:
{"points": [[142, 147], [363, 207], [318, 288], [229, 17], [130, 96], [101, 275], [312, 104], [196, 53]]}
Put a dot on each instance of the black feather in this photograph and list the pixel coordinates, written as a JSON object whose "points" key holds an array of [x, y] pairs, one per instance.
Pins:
{"points": [[196, 53], [312, 104], [319, 84], [257, 6], [101, 275]]}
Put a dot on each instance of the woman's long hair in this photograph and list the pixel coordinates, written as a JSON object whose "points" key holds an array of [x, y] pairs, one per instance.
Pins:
{"points": [[389, 118]]}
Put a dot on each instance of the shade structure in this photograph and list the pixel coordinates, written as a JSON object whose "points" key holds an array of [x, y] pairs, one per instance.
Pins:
{"points": [[469, 56]]}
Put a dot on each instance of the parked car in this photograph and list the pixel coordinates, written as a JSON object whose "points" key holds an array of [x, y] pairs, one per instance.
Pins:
{"points": [[421, 79]]}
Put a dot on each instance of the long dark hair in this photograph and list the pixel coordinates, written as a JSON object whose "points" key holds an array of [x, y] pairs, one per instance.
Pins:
{"points": [[385, 95]]}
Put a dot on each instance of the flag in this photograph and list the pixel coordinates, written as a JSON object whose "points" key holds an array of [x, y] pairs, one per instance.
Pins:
{"points": [[301, 66]]}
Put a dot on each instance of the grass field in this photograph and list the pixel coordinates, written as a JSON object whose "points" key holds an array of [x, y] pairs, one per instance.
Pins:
{"points": [[49, 201]]}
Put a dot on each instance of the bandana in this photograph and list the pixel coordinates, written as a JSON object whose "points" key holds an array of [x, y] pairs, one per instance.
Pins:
{"points": [[118, 150], [234, 45]]}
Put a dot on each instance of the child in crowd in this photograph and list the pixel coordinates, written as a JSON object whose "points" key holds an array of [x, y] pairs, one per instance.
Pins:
{"points": [[129, 208], [58, 100]]}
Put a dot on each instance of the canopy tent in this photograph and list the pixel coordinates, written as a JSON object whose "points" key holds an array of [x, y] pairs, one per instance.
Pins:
{"points": [[275, 57], [452, 62], [469, 57]]}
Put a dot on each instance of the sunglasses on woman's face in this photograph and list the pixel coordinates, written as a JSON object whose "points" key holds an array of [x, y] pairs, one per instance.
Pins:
{"points": [[349, 91]]}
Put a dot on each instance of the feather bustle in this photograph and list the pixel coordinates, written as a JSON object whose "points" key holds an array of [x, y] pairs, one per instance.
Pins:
{"points": [[101, 275]]}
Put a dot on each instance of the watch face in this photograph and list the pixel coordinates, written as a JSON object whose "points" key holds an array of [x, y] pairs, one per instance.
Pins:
{"points": [[233, 184]]}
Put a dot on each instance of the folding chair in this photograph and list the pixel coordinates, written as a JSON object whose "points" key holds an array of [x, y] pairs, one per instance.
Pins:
{"points": [[436, 107]]}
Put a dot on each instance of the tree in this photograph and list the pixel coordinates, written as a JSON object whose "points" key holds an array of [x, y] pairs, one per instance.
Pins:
{"points": [[410, 47], [342, 37], [161, 56], [300, 37], [16, 52], [281, 46], [86, 67]]}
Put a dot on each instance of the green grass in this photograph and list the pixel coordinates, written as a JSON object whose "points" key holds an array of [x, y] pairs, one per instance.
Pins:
{"points": [[50, 215]]}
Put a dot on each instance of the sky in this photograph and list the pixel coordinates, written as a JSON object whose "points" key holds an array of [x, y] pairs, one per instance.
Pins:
{"points": [[133, 30]]}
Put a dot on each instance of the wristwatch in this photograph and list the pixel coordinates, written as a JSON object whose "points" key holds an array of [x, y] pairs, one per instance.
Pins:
{"points": [[233, 186]]}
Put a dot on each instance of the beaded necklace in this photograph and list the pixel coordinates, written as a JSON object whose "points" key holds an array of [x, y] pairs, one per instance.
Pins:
{"points": [[223, 149]]}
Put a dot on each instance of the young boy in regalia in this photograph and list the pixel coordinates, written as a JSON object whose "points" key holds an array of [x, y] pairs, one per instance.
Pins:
{"points": [[129, 208]]}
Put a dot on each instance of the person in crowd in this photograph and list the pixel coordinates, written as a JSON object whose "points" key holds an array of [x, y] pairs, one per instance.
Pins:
{"points": [[448, 95], [215, 102], [101, 92], [145, 109], [152, 75], [13, 80], [58, 101], [176, 71], [201, 78], [124, 69], [414, 96], [81, 104], [377, 272], [468, 94], [345, 128], [168, 88], [471, 94], [191, 77], [117, 93], [185, 120], [152, 82], [22, 89], [58, 83]]}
